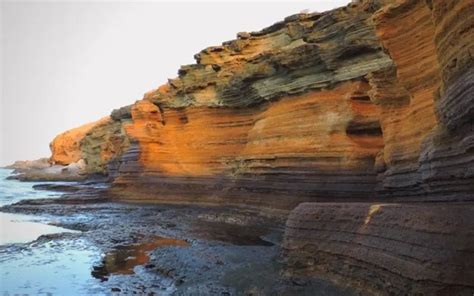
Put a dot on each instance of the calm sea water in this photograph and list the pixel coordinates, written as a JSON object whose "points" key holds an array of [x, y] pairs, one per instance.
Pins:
{"points": [[12, 191], [15, 228], [30, 267]]}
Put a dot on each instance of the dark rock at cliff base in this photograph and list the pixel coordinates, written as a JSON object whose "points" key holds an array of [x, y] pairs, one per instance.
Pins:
{"points": [[384, 249]]}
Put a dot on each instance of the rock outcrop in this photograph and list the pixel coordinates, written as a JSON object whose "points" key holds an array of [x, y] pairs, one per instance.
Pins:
{"points": [[271, 119], [43, 170], [243, 155], [98, 144], [66, 147], [427, 149], [23, 165], [406, 93], [384, 249], [426, 105], [368, 101]]}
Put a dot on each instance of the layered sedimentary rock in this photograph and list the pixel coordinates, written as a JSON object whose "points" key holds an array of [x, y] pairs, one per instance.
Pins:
{"points": [[448, 158], [66, 147], [366, 101], [98, 144], [424, 249], [421, 157], [384, 249], [283, 112], [249, 149], [406, 93], [103, 145]]}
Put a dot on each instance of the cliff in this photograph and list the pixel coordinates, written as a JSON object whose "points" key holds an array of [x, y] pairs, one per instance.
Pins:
{"points": [[407, 248], [372, 100], [97, 143], [369, 103]]}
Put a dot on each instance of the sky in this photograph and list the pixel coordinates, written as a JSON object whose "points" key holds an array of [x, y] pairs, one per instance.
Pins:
{"points": [[64, 64]]}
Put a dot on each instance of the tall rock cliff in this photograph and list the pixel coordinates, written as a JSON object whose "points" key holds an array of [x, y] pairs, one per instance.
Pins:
{"points": [[269, 119], [372, 100]]}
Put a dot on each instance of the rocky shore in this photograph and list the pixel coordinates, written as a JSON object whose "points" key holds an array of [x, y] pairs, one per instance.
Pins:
{"points": [[44, 170], [213, 250], [332, 248]]}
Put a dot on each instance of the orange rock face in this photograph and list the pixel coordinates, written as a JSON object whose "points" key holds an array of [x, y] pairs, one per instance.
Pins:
{"points": [[384, 249], [426, 102], [284, 112], [329, 138], [406, 93], [65, 147], [368, 101]]}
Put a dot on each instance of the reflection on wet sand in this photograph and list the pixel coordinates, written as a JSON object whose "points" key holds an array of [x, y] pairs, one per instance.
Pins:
{"points": [[123, 259]]}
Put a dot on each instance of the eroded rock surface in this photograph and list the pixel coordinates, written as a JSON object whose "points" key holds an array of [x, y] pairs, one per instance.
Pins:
{"points": [[43, 170], [362, 102], [384, 249]]}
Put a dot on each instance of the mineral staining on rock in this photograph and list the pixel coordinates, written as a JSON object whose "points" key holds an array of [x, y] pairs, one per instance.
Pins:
{"points": [[369, 102]]}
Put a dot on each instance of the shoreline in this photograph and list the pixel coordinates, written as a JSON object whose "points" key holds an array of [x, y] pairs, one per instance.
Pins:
{"points": [[215, 237]]}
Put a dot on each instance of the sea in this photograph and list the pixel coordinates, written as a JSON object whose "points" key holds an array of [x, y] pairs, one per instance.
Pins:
{"points": [[32, 266]]}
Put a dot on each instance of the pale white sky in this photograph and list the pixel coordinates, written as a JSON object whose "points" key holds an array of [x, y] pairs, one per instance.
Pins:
{"points": [[68, 63]]}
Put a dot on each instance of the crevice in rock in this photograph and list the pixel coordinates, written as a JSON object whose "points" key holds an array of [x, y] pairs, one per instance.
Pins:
{"points": [[373, 129]]}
